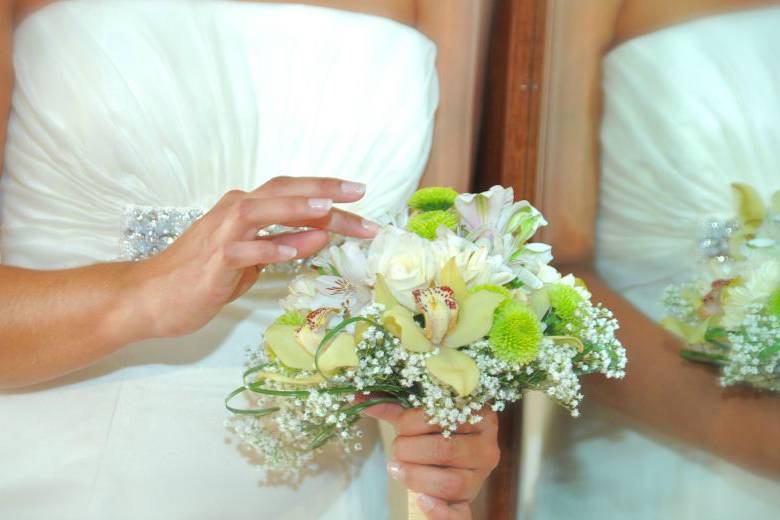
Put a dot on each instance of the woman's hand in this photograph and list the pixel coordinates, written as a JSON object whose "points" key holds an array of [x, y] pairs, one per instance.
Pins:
{"points": [[447, 472], [220, 256]]}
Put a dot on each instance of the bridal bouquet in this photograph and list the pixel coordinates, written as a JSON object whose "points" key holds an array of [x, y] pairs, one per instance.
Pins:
{"points": [[449, 309], [730, 315]]}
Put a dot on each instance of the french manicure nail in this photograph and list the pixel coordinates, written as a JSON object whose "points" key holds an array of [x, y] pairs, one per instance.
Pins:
{"points": [[287, 251], [353, 188], [320, 204], [394, 469], [425, 502], [369, 226]]}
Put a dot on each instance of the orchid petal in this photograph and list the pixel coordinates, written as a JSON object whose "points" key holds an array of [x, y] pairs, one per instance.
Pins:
{"points": [[692, 334], [400, 322], [455, 369], [750, 207], [309, 339], [476, 318], [382, 293], [282, 340], [450, 277], [339, 353], [540, 303], [775, 202]]}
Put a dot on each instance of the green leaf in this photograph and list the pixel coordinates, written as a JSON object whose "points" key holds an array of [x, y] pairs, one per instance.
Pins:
{"points": [[258, 412], [704, 357]]}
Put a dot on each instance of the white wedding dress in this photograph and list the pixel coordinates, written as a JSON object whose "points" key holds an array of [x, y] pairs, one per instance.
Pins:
{"points": [[688, 110], [149, 105]]}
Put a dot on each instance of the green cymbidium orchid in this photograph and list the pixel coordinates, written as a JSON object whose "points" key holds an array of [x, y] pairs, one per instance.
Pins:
{"points": [[296, 346], [692, 334], [452, 319], [751, 211]]}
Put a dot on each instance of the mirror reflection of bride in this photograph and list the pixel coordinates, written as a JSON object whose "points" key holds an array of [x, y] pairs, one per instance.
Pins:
{"points": [[127, 120], [670, 102]]}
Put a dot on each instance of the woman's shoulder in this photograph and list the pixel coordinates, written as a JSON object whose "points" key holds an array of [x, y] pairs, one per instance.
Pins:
{"points": [[637, 18]]}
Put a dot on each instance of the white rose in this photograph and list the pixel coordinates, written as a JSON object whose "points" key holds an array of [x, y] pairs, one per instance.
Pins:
{"points": [[405, 260]]}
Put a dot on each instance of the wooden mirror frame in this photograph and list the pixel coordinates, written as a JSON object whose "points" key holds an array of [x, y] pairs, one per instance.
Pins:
{"points": [[508, 154]]}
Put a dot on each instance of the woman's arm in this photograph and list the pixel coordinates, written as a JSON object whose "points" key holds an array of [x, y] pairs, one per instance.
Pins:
{"points": [[459, 28], [681, 398], [54, 322], [661, 390]]}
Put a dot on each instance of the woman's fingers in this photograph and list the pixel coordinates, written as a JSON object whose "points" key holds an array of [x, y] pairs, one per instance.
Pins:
{"points": [[307, 243], [437, 509], [469, 451], [341, 222], [338, 190], [450, 484], [250, 214], [240, 255], [415, 422]]}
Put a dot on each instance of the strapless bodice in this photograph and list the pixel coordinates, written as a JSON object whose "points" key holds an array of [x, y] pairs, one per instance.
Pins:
{"points": [[687, 111], [171, 104]]}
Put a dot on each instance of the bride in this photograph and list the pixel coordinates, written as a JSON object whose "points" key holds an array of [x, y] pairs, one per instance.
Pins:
{"points": [[690, 105], [141, 148]]}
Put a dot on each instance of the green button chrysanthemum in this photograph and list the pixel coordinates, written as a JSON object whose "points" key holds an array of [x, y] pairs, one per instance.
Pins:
{"points": [[431, 199], [516, 333], [565, 302], [426, 224], [291, 318]]}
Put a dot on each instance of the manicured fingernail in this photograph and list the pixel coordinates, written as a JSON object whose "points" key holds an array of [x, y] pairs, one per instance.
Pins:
{"points": [[394, 469], [425, 502], [320, 204], [287, 251], [353, 188], [369, 226]]}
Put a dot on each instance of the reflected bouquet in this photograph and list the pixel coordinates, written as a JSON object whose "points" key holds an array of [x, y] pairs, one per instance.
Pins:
{"points": [[729, 316], [450, 309]]}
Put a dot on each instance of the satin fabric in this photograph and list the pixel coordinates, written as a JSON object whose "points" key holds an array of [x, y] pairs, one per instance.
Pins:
{"points": [[687, 111], [172, 104]]}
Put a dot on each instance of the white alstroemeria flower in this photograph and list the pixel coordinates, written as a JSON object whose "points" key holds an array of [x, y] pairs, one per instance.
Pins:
{"points": [[521, 220], [527, 262], [481, 211], [405, 260], [350, 262], [492, 218], [309, 292]]}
